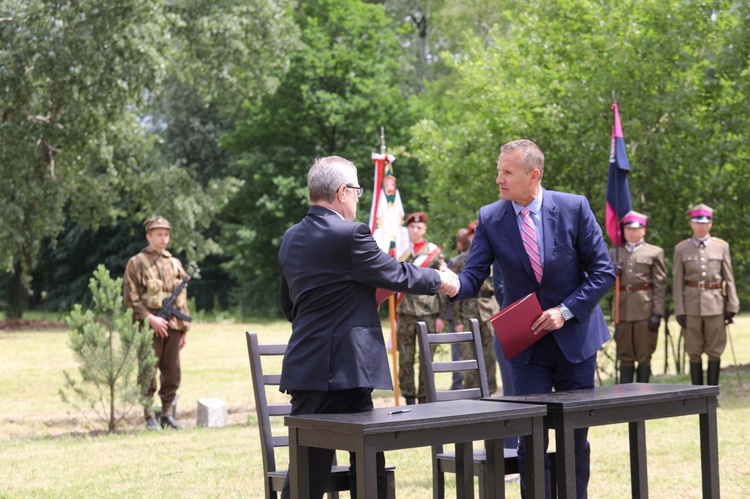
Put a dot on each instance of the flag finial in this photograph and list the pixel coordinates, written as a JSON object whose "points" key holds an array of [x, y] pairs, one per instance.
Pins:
{"points": [[382, 140]]}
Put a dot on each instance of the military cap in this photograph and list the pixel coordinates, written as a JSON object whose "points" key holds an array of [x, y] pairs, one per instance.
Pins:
{"points": [[472, 227], [634, 219], [701, 213], [417, 217], [157, 222]]}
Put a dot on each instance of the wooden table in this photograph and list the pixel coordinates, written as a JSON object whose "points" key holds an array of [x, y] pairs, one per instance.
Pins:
{"points": [[631, 403], [460, 422]]}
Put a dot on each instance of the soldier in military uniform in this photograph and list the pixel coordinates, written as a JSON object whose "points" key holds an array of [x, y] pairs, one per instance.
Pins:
{"points": [[414, 308], [481, 307], [705, 298], [643, 278], [151, 276]]}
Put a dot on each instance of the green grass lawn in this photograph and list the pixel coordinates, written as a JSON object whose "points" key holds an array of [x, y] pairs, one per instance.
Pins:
{"points": [[48, 450]]}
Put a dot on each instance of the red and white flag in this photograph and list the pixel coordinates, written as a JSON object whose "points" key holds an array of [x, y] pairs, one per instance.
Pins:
{"points": [[387, 213]]}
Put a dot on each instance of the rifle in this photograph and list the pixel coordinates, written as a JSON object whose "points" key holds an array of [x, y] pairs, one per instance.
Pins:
{"points": [[167, 309]]}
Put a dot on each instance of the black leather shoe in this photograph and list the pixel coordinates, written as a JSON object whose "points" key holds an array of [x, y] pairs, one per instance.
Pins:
{"points": [[151, 424], [170, 422]]}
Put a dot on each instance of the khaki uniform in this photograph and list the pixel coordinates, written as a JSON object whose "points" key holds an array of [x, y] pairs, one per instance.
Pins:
{"points": [[703, 290], [481, 307], [149, 278], [410, 310], [642, 291]]}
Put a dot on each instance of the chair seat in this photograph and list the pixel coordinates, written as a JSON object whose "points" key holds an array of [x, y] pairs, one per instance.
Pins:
{"points": [[447, 461]]}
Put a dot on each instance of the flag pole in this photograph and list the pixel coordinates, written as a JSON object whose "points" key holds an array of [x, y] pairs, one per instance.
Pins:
{"points": [[617, 274], [392, 306]]}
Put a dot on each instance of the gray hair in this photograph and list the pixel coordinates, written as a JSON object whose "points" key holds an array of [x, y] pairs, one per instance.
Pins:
{"points": [[326, 175], [533, 157]]}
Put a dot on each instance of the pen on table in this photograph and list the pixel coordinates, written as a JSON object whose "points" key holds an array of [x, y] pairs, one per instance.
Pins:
{"points": [[399, 412]]}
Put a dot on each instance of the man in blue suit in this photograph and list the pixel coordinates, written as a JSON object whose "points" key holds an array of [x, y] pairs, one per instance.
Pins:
{"points": [[330, 268], [569, 269]]}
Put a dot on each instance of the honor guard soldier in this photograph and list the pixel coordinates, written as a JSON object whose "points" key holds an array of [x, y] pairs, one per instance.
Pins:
{"points": [[151, 276], [705, 298], [414, 308], [643, 278]]}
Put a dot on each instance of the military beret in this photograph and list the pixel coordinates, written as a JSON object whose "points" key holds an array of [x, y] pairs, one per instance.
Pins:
{"points": [[701, 213], [417, 217], [634, 219], [157, 223]]}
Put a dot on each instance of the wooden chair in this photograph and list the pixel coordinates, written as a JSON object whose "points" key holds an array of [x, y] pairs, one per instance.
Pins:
{"points": [[445, 462], [274, 477]]}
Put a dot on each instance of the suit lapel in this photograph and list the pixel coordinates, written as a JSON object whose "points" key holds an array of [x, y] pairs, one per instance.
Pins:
{"points": [[550, 218]]}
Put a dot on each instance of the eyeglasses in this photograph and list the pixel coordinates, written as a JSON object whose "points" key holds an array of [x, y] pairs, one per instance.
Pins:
{"points": [[360, 190]]}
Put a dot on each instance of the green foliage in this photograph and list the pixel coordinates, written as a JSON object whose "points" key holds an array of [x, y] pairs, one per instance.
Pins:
{"points": [[115, 357], [342, 85], [80, 137], [546, 71]]}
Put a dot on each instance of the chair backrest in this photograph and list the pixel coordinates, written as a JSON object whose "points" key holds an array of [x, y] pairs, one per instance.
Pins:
{"points": [[265, 412], [429, 367]]}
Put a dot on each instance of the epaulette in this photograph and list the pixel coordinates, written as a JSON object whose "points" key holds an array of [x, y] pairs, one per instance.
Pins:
{"points": [[683, 242], [719, 240]]}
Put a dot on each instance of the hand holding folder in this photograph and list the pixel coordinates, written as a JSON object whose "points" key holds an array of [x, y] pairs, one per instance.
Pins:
{"points": [[512, 325]]}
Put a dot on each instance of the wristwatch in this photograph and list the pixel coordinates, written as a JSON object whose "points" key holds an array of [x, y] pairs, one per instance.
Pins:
{"points": [[566, 313]]}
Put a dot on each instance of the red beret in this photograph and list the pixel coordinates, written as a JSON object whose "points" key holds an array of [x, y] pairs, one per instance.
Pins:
{"points": [[417, 217]]}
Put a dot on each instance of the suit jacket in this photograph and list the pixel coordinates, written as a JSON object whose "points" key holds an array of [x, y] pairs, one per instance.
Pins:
{"points": [[329, 270], [578, 270], [644, 266]]}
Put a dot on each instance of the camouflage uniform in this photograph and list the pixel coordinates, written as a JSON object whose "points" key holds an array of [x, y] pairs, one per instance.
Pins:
{"points": [[410, 310], [481, 307], [149, 278], [642, 290]]}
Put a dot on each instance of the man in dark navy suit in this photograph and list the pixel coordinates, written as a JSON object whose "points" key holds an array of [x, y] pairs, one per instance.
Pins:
{"points": [[330, 268], [548, 243]]}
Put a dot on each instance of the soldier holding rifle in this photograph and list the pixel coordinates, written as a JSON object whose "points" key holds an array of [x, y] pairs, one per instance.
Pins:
{"points": [[151, 279], [705, 298]]}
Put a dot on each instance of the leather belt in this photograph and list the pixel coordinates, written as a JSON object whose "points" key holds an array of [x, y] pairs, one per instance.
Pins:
{"points": [[635, 287], [703, 285]]}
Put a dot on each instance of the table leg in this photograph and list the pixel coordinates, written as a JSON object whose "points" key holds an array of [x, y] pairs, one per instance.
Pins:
{"points": [[709, 451], [299, 467], [534, 445], [494, 480], [638, 469], [565, 457], [367, 479], [464, 470]]}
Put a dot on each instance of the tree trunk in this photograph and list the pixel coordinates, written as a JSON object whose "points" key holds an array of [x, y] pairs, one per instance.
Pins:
{"points": [[18, 296]]}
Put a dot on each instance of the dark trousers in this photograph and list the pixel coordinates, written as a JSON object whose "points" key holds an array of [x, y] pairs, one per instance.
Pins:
{"points": [[548, 369], [167, 352], [321, 460]]}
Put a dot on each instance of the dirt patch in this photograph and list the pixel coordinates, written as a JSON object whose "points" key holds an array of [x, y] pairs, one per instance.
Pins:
{"points": [[25, 325]]}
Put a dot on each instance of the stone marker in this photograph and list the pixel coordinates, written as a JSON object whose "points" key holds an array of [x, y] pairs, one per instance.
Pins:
{"points": [[212, 413]]}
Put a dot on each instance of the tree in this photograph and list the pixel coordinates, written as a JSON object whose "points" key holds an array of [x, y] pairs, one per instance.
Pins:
{"points": [[547, 72], [342, 85], [79, 135], [116, 359]]}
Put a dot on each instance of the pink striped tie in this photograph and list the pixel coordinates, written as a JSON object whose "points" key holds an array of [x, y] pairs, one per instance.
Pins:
{"points": [[528, 235]]}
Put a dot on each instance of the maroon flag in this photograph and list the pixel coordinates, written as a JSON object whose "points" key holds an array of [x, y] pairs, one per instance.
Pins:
{"points": [[618, 191]]}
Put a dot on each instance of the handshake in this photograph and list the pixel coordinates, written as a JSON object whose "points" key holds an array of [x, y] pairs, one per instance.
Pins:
{"points": [[448, 282]]}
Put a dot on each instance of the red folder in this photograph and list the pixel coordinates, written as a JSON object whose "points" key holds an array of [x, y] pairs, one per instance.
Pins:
{"points": [[513, 325]]}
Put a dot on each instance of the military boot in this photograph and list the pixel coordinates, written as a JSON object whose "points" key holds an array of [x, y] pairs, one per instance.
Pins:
{"points": [[696, 373], [643, 373], [626, 374], [713, 372]]}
